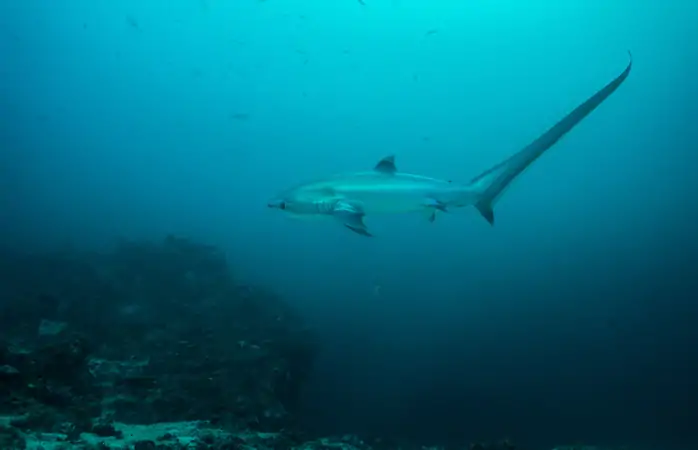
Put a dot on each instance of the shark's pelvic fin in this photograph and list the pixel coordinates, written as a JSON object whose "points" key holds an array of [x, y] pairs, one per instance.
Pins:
{"points": [[386, 165], [433, 205], [490, 184]]}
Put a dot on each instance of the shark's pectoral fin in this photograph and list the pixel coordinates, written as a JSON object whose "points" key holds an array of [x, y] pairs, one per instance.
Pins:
{"points": [[355, 222], [351, 216], [359, 229]]}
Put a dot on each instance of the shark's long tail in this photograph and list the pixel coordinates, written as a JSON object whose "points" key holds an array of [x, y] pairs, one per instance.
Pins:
{"points": [[489, 185]]}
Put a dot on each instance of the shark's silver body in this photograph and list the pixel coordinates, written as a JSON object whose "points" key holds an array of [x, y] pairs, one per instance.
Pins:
{"points": [[347, 198], [377, 192]]}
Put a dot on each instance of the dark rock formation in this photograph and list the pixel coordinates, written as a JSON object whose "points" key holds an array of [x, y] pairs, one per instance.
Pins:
{"points": [[146, 333]]}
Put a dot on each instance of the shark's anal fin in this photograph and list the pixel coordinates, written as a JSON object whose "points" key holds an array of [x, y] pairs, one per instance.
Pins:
{"points": [[490, 184], [386, 165], [352, 216]]}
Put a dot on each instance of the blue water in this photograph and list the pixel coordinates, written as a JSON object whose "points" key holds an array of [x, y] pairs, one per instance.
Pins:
{"points": [[573, 319]]}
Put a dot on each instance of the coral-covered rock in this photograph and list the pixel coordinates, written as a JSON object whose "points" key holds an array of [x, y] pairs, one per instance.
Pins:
{"points": [[175, 436], [147, 333]]}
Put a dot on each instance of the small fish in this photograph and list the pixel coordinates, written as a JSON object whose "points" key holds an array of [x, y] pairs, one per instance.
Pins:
{"points": [[348, 198], [240, 116], [132, 22]]}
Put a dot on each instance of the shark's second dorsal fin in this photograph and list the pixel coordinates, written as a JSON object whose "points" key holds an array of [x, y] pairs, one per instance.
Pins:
{"points": [[386, 165]]}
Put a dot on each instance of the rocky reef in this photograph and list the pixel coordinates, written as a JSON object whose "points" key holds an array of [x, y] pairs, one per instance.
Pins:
{"points": [[104, 348]]}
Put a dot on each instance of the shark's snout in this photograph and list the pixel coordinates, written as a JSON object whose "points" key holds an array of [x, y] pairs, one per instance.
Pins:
{"points": [[277, 204]]}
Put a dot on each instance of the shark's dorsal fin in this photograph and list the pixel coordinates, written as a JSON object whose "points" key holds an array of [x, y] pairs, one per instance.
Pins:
{"points": [[386, 165]]}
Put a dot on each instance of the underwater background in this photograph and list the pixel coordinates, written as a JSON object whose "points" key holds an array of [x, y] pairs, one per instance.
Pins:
{"points": [[573, 319]]}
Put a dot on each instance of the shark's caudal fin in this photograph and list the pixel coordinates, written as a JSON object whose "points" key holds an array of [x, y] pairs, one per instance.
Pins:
{"points": [[490, 184]]}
